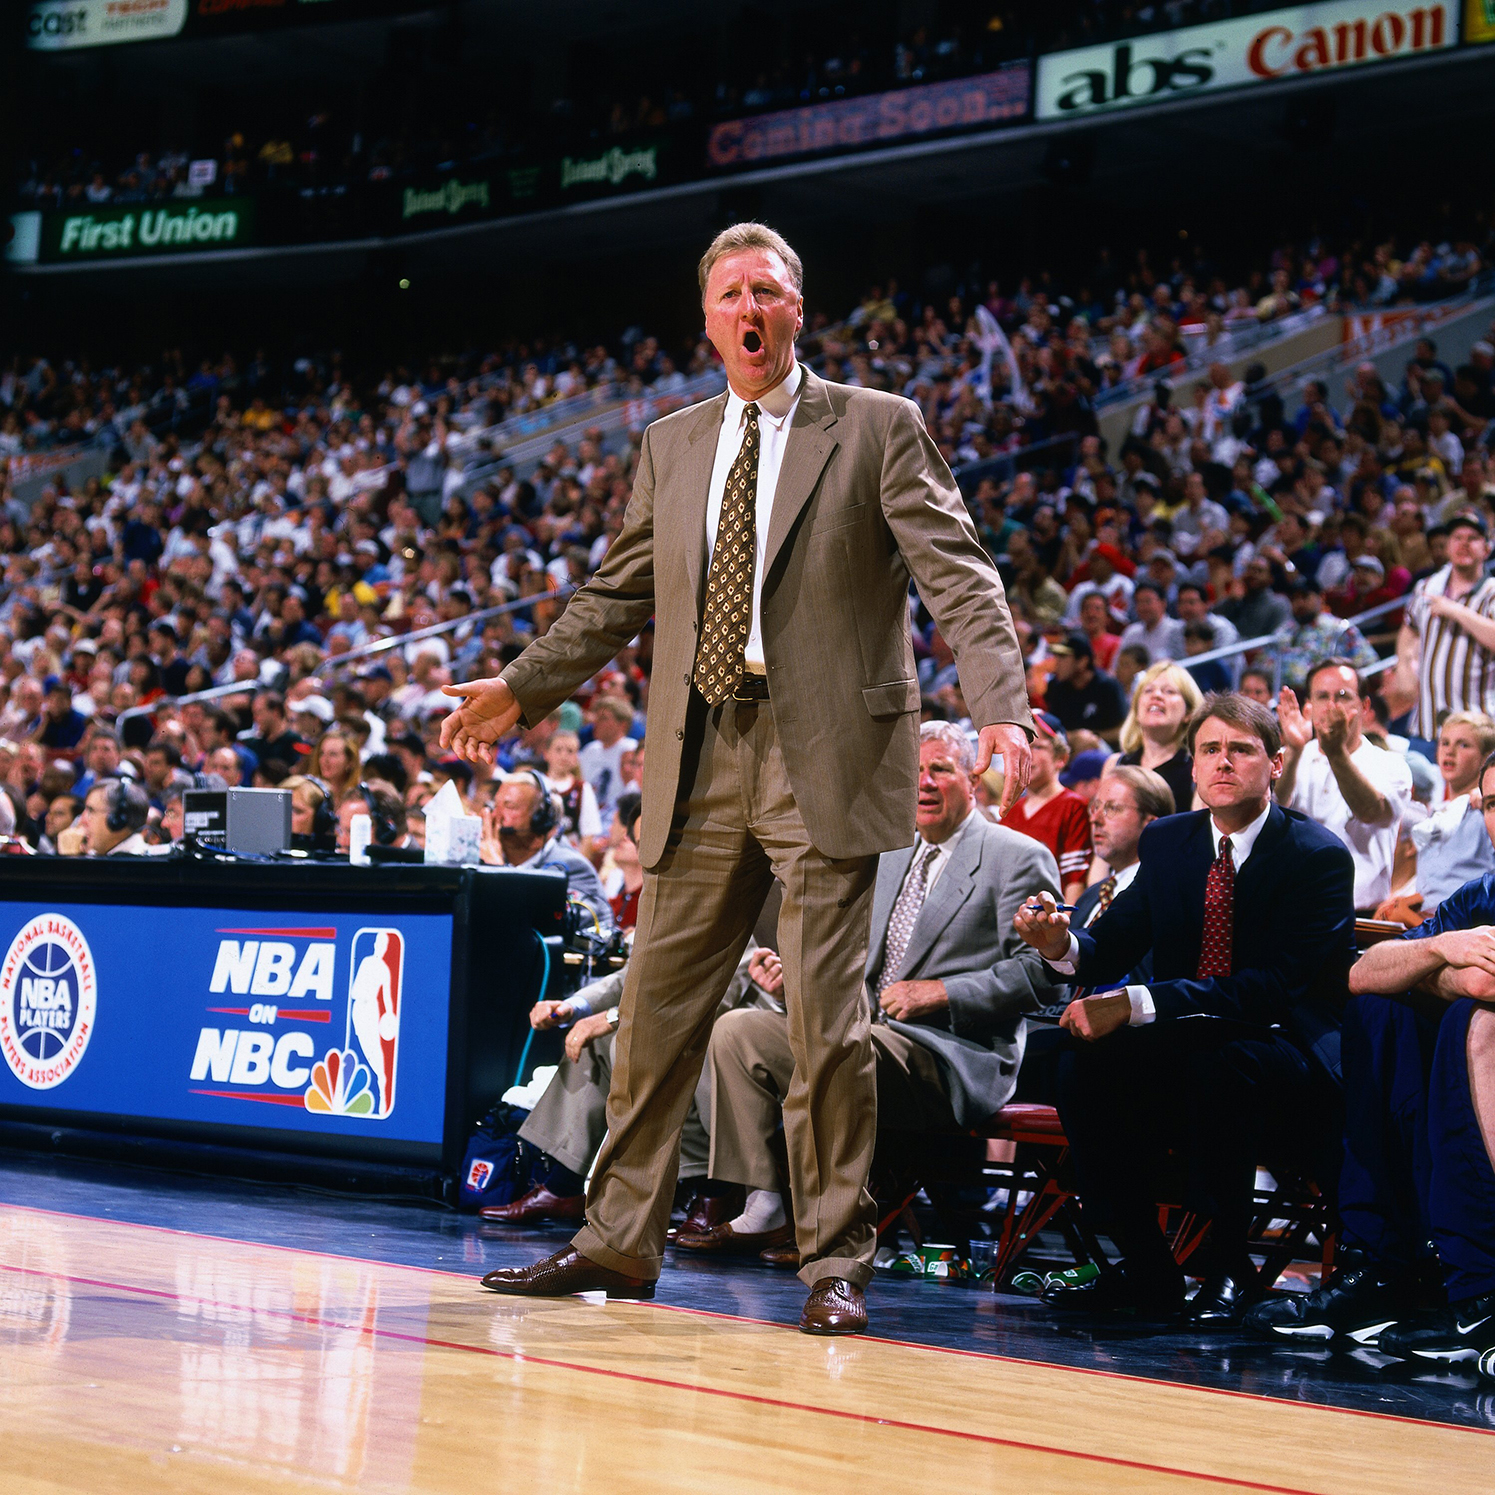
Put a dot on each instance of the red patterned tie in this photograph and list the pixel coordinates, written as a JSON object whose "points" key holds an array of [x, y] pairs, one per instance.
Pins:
{"points": [[1219, 914]]}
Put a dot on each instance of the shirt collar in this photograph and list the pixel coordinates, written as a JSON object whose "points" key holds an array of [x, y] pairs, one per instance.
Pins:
{"points": [[1126, 877], [1241, 842], [775, 406]]}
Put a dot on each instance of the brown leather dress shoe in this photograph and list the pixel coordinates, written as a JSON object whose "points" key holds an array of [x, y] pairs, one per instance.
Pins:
{"points": [[703, 1212], [722, 1240], [565, 1273], [786, 1255], [539, 1204], [835, 1306]]}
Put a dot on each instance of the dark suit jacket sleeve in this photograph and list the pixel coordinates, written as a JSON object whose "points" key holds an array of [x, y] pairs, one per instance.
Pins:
{"points": [[955, 576], [601, 618], [990, 998], [1114, 945]]}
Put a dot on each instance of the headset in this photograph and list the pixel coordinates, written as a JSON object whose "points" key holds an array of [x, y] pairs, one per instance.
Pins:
{"points": [[127, 806], [545, 817], [386, 833], [324, 816]]}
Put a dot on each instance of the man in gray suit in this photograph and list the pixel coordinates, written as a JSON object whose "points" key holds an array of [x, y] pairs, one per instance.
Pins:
{"points": [[950, 977], [772, 534]]}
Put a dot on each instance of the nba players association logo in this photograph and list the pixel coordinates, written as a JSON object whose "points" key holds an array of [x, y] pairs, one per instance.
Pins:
{"points": [[48, 990], [359, 1078]]}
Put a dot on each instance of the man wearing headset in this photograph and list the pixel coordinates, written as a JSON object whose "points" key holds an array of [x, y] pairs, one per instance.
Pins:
{"points": [[114, 814], [523, 829]]}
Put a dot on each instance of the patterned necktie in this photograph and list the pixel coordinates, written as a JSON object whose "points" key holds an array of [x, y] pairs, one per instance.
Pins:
{"points": [[905, 916], [1103, 901], [729, 583], [1219, 915]]}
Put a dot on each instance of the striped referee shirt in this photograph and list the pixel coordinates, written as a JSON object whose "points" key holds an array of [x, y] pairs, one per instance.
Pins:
{"points": [[1454, 672]]}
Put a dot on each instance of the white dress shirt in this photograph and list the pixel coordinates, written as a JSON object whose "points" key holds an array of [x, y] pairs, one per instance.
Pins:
{"points": [[1144, 1010], [1317, 794], [943, 853], [775, 411]]}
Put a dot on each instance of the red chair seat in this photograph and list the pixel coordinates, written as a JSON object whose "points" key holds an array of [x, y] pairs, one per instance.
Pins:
{"points": [[1021, 1123]]}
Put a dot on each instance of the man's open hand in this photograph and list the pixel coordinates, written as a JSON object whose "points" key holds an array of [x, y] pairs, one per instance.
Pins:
{"points": [[1097, 1017], [908, 1001], [584, 1032], [489, 711], [1017, 759]]}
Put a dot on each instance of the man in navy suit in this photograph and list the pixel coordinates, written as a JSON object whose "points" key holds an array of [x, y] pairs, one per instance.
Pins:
{"points": [[1248, 911], [1418, 1176]]}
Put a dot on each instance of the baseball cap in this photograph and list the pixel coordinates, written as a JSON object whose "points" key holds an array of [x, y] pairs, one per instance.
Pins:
{"points": [[318, 706], [1469, 519], [1371, 564], [1084, 767], [1049, 725], [1074, 644]]}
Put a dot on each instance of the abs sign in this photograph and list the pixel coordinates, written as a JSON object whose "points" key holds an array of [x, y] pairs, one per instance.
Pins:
{"points": [[1292, 42]]}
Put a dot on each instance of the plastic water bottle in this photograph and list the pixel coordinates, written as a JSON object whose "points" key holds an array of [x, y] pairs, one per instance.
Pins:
{"points": [[360, 833]]}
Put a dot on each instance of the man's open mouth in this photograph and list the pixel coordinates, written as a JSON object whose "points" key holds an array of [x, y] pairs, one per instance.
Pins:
{"points": [[751, 341]]}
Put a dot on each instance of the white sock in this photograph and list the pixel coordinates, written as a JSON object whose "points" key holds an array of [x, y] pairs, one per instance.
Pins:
{"points": [[765, 1211]]}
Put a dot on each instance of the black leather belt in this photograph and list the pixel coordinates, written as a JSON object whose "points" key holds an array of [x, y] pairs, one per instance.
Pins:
{"points": [[751, 688]]}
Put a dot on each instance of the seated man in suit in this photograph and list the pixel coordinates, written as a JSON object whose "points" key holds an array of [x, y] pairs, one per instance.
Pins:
{"points": [[1247, 910], [1127, 801], [569, 1120], [948, 979], [1419, 1083]]}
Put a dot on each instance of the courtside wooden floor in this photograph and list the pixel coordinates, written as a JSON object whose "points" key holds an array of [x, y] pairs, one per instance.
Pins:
{"points": [[134, 1358]]}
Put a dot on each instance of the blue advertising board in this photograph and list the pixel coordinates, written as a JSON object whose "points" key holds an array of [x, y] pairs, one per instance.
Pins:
{"points": [[319, 1023]]}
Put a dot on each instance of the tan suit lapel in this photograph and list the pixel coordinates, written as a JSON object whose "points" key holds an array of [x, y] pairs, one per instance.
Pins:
{"points": [[695, 487], [805, 454]]}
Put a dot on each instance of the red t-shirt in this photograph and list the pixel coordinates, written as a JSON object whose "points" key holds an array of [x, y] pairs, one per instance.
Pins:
{"points": [[1063, 825]]}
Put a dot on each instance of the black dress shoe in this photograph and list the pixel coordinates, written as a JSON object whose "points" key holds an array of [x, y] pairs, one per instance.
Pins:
{"points": [[1223, 1299], [1113, 1292], [565, 1273]]}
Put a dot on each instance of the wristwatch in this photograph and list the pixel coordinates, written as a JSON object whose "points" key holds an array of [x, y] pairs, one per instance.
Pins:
{"points": [[612, 1019]]}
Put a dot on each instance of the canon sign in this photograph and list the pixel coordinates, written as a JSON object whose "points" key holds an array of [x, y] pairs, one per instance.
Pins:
{"points": [[1285, 43]]}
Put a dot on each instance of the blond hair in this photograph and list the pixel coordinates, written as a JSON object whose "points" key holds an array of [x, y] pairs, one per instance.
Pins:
{"points": [[1181, 680], [750, 236], [1484, 728]]}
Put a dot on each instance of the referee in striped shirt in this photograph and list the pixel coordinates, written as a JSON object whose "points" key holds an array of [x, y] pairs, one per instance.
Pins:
{"points": [[1450, 631]]}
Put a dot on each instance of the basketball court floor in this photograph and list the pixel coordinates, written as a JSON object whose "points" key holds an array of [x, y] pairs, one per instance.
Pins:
{"points": [[168, 1333]]}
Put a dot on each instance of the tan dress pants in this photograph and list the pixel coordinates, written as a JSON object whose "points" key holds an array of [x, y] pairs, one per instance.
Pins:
{"points": [[751, 1067], [736, 827]]}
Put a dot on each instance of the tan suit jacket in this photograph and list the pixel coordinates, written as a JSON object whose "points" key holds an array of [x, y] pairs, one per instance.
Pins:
{"points": [[864, 501]]}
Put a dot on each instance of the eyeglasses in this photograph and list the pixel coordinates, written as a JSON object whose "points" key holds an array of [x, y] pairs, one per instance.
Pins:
{"points": [[1340, 697], [1111, 809]]}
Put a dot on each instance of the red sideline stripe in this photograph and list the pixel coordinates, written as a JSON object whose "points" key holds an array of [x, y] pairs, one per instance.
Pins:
{"points": [[742, 1318], [523, 1358], [296, 934], [274, 1100], [296, 1014]]}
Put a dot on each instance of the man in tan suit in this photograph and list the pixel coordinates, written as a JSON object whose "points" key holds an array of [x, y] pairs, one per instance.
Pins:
{"points": [[772, 534]]}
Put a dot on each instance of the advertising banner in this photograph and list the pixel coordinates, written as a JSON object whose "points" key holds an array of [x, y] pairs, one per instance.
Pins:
{"points": [[122, 231], [1479, 21], [325, 1023], [1294, 42], [61, 25], [902, 114]]}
